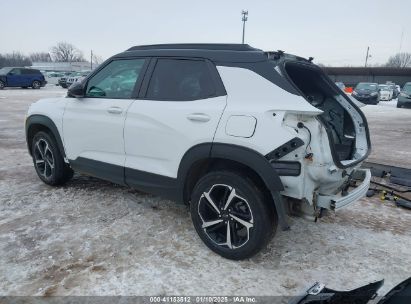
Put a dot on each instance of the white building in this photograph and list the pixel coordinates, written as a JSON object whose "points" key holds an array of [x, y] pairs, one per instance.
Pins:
{"points": [[62, 66]]}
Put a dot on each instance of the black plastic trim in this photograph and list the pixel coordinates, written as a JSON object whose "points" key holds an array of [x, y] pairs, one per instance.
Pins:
{"points": [[285, 149], [103, 170], [286, 168], [49, 124], [164, 186], [250, 158]]}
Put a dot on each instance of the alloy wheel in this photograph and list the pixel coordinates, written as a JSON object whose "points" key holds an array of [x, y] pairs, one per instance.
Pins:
{"points": [[43, 158], [226, 217], [36, 85]]}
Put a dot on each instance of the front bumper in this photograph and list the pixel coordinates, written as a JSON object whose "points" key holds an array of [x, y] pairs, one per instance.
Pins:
{"points": [[367, 99], [337, 201]]}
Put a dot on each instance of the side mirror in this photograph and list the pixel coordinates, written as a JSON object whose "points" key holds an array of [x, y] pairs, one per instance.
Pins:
{"points": [[76, 90]]}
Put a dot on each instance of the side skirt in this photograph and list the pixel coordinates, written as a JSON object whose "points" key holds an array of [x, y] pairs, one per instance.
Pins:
{"points": [[163, 186]]}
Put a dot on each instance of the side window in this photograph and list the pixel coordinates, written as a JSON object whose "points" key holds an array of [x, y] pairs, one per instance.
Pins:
{"points": [[28, 72], [115, 80], [180, 79], [16, 71]]}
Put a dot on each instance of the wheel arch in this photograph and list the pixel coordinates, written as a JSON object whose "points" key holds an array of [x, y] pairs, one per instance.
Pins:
{"points": [[204, 158], [36, 123]]}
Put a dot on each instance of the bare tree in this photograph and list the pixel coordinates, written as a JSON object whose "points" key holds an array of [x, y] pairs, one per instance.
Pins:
{"points": [[97, 59], [15, 59], [40, 57], [66, 52], [399, 60]]}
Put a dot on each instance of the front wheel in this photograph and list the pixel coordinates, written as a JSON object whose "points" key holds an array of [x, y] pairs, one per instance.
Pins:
{"points": [[48, 161], [231, 215], [399, 105], [2, 85], [36, 84]]}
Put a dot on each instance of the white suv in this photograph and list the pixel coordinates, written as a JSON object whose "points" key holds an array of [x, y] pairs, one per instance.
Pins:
{"points": [[243, 136]]}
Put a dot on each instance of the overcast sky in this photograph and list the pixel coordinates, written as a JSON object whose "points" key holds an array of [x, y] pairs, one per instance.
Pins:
{"points": [[334, 32]]}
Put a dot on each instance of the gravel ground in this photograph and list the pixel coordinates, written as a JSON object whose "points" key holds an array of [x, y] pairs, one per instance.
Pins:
{"points": [[92, 237]]}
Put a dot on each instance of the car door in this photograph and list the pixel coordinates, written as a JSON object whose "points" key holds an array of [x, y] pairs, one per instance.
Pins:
{"points": [[93, 126], [14, 78], [27, 77], [179, 106]]}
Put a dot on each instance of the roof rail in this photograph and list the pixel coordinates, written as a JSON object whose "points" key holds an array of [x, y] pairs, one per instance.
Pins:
{"points": [[195, 46]]}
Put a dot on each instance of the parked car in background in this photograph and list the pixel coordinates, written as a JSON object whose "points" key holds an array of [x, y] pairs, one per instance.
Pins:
{"points": [[404, 99], [21, 77], [53, 77], [78, 76], [367, 92], [62, 80], [386, 92]]}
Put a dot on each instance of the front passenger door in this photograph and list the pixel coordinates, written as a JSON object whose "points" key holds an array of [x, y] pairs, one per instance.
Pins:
{"points": [[93, 125], [14, 78]]}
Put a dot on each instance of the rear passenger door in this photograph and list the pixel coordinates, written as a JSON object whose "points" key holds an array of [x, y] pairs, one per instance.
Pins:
{"points": [[179, 106], [28, 76]]}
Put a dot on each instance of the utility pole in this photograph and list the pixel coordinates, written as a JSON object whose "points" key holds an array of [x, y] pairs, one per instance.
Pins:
{"points": [[91, 60], [402, 36], [367, 56], [244, 19]]}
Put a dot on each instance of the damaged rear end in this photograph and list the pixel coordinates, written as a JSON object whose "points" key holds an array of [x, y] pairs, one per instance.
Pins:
{"points": [[336, 140]]}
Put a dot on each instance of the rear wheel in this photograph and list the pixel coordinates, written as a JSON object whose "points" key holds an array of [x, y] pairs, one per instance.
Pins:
{"points": [[48, 161], [231, 215], [36, 84], [2, 85]]}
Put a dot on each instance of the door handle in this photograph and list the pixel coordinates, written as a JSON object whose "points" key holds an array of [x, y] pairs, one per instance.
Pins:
{"points": [[115, 110], [201, 117]]}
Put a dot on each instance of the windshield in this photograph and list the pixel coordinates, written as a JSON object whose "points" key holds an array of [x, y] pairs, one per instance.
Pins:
{"points": [[407, 88], [366, 86], [5, 70]]}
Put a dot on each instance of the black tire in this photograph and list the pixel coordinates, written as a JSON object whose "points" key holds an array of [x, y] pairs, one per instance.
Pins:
{"points": [[248, 200], [2, 85], [399, 105], [36, 84], [48, 161]]}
